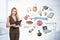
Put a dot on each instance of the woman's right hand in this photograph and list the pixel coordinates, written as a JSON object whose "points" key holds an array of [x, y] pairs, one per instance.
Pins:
{"points": [[13, 25]]}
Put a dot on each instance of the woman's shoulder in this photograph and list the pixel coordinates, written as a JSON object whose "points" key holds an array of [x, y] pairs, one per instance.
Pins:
{"points": [[8, 17]]}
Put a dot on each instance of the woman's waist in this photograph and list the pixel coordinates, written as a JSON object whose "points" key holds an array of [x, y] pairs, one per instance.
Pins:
{"points": [[14, 27]]}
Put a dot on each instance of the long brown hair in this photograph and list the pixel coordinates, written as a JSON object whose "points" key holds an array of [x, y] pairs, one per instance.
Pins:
{"points": [[16, 15]]}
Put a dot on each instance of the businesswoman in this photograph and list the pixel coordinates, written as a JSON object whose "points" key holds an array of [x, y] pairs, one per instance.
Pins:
{"points": [[14, 29]]}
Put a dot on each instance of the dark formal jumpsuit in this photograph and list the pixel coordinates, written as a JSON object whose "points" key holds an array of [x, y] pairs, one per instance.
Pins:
{"points": [[14, 32]]}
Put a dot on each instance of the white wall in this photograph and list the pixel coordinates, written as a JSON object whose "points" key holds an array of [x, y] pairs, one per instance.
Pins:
{"points": [[22, 5], [2, 9]]}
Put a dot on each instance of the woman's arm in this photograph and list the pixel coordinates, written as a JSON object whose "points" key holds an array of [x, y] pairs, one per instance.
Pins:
{"points": [[8, 23]]}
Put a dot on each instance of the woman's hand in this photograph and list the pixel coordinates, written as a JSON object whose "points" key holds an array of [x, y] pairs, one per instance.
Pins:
{"points": [[13, 25], [17, 26]]}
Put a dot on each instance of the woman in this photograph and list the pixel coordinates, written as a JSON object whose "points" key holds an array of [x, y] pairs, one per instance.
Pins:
{"points": [[14, 29]]}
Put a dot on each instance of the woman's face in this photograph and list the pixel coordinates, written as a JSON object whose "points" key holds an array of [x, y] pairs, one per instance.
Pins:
{"points": [[14, 11]]}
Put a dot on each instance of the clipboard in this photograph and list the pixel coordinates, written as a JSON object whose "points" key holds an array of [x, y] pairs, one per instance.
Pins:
{"points": [[18, 22]]}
